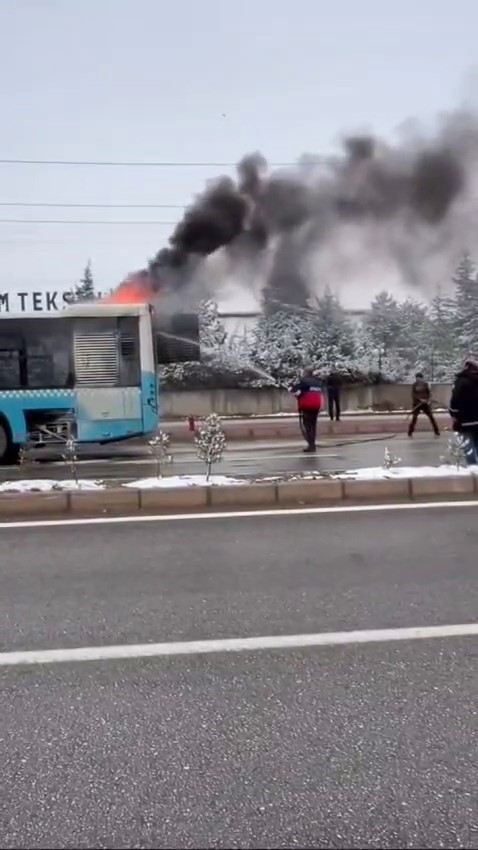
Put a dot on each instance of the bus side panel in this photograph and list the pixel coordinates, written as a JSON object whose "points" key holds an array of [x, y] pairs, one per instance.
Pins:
{"points": [[15, 403], [11, 409], [149, 376], [149, 392], [108, 413]]}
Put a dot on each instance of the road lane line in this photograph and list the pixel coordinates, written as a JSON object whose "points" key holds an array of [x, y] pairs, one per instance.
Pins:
{"points": [[272, 512], [228, 460], [251, 644]]}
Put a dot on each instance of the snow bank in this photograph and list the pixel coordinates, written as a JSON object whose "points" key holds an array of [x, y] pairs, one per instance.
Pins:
{"points": [[46, 485], [183, 481], [378, 473]]}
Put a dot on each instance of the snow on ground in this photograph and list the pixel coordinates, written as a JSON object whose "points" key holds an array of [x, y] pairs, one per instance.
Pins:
{"points": [[47, 485], [379, 473], [183, 481]]}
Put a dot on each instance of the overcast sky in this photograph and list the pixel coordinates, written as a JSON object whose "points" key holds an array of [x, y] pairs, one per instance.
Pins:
{"points": [[198, 82]]}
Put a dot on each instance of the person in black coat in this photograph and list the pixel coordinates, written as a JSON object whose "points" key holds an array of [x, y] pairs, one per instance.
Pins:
{"points": [[464, 408], [333, 383], [422, 403]]}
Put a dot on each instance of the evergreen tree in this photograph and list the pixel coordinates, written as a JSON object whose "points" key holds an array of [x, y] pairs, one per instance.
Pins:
{"points": [[413, 340], [383, 322], [283, 343], [211, 329], [442, 337], [333, 343], [466, 299], [85, 289]]}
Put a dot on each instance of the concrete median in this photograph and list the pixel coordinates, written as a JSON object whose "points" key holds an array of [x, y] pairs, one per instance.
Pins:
{"points": [[121, 501]]}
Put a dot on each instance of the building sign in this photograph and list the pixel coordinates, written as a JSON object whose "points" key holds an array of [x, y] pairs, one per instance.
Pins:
{"points": [[41, 301]]}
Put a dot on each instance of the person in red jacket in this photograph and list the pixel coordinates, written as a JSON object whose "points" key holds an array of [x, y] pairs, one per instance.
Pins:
{"points": [[309, 402]]}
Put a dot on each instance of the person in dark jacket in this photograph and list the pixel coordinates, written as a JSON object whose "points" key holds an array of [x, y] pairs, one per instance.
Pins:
{"points": [[421, 403], [333, 383], [309, 401], [464, 408]]}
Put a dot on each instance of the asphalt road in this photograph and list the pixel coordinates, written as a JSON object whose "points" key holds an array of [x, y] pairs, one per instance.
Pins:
{"points": [[249, 459], [343, 746]]}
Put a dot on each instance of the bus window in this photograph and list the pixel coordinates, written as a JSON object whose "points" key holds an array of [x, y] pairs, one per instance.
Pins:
{"points": [[129, 362], [177, 338], [10, 378], [10, 357], [48, 353]]}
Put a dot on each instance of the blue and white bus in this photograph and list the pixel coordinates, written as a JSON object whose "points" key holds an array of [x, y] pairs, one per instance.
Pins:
{"points": [[89, 371]]}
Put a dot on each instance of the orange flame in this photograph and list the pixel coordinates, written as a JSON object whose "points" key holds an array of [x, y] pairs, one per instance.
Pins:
{"points": [[134, 290]]}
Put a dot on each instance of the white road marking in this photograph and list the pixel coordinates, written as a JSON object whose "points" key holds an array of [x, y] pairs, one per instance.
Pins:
{"points": [[270, 512], [231, 459], [251, 644]]}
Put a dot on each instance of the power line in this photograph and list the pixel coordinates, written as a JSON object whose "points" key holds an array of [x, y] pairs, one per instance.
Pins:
{"points": [[159, 164], [93, 206], [79, 221]]}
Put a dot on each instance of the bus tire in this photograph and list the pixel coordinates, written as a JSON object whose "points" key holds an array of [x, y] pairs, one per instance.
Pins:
{"points": [[9, 451]]}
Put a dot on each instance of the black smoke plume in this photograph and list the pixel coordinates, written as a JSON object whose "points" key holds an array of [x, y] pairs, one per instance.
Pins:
{"points": [[409, 204]]}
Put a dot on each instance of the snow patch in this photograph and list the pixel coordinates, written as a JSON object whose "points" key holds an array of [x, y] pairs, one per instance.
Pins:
{"points": [[183, 481], [378, 473], [47, 485]]}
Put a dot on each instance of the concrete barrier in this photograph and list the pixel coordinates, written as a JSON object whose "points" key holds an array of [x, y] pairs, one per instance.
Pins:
{"points": [[124, 502], [178, 404], [309, 492], [21, 505], [392, 490], [439, 487], [180, 499], [244, 495], [105, 502]]}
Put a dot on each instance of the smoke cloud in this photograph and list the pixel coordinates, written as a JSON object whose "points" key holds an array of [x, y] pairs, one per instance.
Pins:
{"points": [[375, 212]]}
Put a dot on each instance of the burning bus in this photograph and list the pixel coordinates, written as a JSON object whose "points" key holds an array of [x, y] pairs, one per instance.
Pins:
{"points": [[90, 371]]}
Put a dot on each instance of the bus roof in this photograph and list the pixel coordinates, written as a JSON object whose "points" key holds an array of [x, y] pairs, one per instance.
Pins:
{"points": [[85, 310], [98, 309]]}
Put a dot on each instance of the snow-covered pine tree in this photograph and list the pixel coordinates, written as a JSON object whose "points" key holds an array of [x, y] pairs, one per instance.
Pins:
{"points": [[466, 299], [211, 329], [442, 338], [210, 441], [282, 343], [85, 289], [381, 335], [383, 322], [333, 338], [412, 344]]}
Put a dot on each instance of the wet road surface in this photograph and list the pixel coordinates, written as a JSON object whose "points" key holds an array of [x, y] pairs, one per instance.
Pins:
{"points": [[255, 460]]}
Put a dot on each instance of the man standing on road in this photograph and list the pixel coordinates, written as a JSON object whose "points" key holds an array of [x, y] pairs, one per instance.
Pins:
{"points": [[333, 384], [421, 403], [464, 408], [309, 402]]}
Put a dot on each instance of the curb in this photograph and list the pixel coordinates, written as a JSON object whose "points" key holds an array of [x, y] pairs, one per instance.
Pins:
{"points": [[325, 492], [289, 428]]}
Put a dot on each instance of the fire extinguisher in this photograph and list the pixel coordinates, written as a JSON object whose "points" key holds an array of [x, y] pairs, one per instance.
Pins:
{"points": [[192, 424]]}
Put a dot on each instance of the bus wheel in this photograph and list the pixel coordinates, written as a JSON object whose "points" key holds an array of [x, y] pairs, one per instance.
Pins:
{"points": [[9, 452]]}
